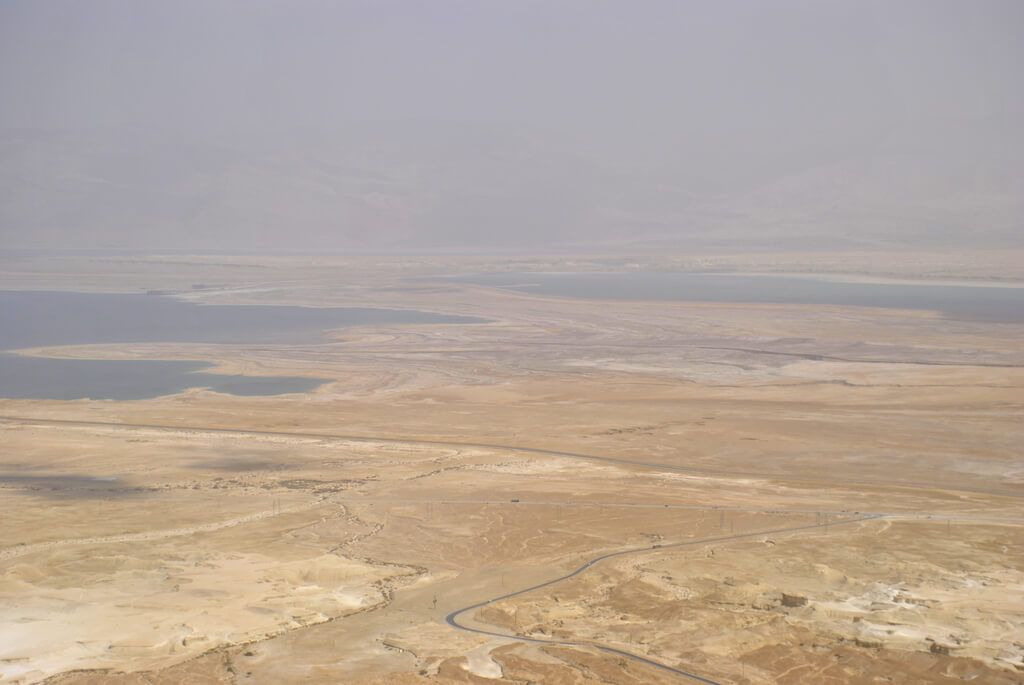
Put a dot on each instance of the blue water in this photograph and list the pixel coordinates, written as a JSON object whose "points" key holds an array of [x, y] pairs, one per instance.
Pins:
{"points": [[37, 319], [993, 304]]}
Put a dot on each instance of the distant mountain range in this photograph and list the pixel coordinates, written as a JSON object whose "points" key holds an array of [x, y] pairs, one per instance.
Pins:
{"points": [[416, 186]]}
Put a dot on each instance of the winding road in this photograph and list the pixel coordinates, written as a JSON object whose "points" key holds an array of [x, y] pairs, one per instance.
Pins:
{"points": [[453, 618]]}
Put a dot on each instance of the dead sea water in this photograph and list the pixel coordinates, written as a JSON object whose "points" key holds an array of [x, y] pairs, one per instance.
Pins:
{"points": [[37, 319], [968, 303]]}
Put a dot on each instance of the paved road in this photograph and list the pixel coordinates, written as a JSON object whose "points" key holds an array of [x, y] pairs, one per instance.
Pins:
{"points": [[914, 485], [453, 618]]}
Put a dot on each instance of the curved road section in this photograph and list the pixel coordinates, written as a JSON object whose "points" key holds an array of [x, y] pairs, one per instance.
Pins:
{"points": [[453, 618]]}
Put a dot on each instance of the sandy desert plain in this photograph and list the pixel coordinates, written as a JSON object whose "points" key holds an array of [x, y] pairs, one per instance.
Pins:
{"points": [[769, 493]]}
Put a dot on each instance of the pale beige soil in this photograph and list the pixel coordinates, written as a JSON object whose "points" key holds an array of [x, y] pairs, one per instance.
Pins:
{"points": [[206, 538]]}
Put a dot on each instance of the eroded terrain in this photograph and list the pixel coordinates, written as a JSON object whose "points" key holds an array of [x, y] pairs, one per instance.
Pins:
{"points": [[790, 493]]}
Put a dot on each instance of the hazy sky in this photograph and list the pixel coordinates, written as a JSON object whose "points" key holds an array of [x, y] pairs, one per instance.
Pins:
{"points": [[481, 123]]}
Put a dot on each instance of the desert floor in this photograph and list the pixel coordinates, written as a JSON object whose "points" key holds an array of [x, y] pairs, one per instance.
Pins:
{"points": [[772, 493]]}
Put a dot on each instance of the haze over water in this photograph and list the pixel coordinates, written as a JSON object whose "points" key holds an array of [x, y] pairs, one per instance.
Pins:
{"points": [[988, 303], [38, 319]]}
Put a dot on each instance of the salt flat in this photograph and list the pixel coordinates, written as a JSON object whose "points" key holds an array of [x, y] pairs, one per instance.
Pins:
{"points": [[800, 492]]}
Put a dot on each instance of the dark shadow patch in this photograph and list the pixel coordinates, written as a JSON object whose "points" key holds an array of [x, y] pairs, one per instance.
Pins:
{"points": [[68, 485]]}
